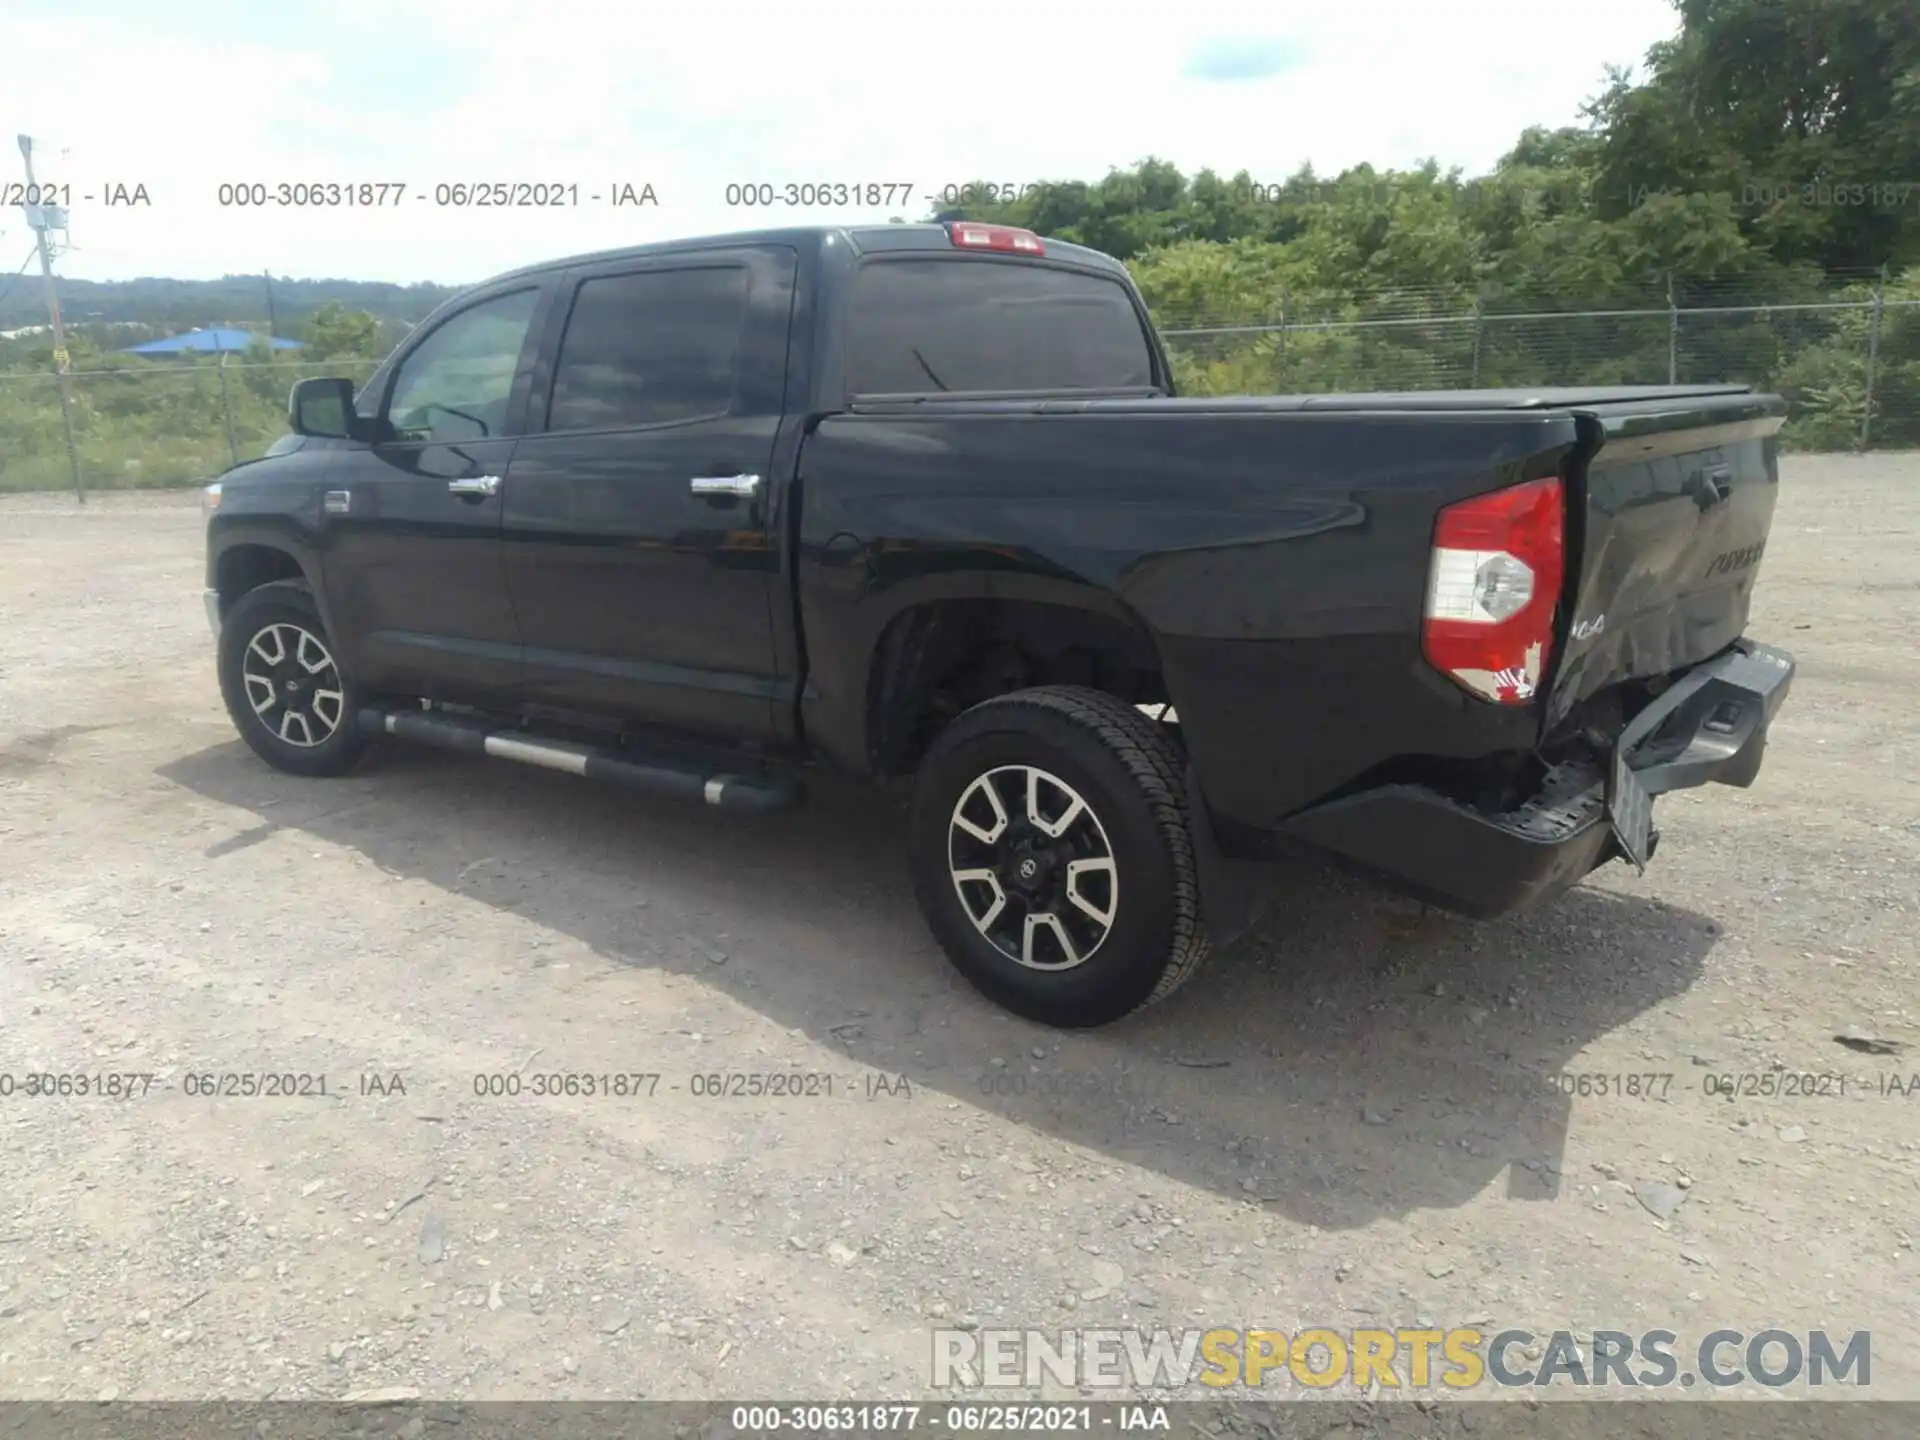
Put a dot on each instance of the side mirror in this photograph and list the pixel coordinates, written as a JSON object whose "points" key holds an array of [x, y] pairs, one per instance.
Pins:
{"points": [[324, 408]]}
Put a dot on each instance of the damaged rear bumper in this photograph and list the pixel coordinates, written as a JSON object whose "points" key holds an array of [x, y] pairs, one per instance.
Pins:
{"points": [[1708, 727]]}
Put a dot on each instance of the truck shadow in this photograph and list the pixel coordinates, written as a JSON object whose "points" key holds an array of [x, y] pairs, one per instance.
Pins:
{"points": [[1354, 1057]]}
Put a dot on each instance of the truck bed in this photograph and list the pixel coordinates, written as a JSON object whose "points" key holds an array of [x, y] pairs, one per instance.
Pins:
{"points": [[1276, 548], [1565, 397]]}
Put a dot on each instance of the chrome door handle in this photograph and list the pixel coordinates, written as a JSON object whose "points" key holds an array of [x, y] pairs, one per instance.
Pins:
{"points": [[744, 486], [478, 485]]}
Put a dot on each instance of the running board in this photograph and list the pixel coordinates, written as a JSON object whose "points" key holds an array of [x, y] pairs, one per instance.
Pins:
{"points": [[746, 793]]}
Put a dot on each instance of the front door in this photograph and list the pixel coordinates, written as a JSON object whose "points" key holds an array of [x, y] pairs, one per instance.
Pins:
{"points": [[411, 554], [639, 552]]}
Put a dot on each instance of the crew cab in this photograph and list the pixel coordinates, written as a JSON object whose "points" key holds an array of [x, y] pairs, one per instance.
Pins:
{"points": [[919, 503]]}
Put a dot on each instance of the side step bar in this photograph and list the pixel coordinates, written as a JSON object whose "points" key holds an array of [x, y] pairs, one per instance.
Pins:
{"points": [[746, 793]]}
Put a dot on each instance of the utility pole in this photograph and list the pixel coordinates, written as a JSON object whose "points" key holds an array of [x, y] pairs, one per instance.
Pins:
{"points": [[267, 275], [37, 215]]}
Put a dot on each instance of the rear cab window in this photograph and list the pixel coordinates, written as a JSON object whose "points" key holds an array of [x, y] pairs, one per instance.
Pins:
{"points": [[929, 324]]}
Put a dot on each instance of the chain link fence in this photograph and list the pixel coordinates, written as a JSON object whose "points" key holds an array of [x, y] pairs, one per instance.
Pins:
{"points": [[1847, 358], [148, 424]]}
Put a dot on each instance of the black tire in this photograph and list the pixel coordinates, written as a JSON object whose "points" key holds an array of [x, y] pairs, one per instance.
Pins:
{"points": [[1129, 775], [275, 614]]}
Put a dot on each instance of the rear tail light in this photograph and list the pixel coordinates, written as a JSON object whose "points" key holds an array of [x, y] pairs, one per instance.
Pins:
{"points": [[967, 235], [1498, 561]]}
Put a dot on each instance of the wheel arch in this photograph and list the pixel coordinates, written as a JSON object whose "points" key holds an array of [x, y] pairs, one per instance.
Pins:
{"points": [[244, 560], [939, 655]]}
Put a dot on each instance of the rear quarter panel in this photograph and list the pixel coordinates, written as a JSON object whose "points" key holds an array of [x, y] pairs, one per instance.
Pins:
{"points": [[1279, 559]]}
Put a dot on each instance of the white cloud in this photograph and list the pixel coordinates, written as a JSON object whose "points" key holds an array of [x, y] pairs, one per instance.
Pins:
{"points": [[692, 97]]}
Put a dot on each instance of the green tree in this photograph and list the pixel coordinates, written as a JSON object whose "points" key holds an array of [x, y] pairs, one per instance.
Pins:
{"points": [[1806, 113], [334, 331]]}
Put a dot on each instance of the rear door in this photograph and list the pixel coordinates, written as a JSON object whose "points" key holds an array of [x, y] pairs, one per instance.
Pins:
{"points": [[411, 561], [1678, 501], [639, 552]]}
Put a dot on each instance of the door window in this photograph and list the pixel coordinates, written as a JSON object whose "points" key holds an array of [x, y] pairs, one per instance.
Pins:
{"points": [[456, 385], [650, 348]]}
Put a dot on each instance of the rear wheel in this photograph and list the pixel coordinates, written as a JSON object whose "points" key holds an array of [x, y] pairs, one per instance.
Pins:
{"points": [[283, 685], [1053, 859]]}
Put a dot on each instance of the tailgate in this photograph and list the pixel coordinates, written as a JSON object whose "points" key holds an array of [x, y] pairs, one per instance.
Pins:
{"points": [[1669, 504]]}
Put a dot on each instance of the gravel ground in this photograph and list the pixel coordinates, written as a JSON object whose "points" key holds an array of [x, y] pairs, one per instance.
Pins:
{"points": [[1350, 1120]]}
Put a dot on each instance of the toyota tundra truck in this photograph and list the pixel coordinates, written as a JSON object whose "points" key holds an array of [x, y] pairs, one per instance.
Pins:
{"points": [[918, 503]]}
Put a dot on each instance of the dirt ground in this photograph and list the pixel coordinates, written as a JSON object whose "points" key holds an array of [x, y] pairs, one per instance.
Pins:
{"points": [[1351, 1119]]}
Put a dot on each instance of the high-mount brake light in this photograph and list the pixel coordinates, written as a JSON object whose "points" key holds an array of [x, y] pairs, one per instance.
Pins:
{"points": [[967, 235], [1494, 583]]}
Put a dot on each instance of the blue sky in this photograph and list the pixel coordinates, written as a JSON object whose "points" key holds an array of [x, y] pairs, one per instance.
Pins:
{"points": [[185, 96]]}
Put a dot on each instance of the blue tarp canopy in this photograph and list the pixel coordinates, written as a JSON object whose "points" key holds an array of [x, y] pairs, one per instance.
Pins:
{"points": [[208, 342]]}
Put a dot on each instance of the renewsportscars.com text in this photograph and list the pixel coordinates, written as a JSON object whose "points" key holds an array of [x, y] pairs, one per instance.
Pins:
{"points": [[1409, 1358]]}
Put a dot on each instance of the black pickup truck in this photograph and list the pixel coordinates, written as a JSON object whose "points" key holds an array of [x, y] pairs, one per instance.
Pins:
{"points": [[918, 502]]}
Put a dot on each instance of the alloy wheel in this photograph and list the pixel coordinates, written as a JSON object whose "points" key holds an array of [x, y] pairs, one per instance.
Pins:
{"points": [[1033, 867], [293, 684]]}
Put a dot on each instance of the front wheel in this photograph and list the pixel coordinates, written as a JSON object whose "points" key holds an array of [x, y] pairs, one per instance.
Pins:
{"points": [[1053, 856], [284, 689]]}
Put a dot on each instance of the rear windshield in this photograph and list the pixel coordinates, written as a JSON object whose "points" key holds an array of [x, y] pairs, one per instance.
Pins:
{"points": [[916, 326]]}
